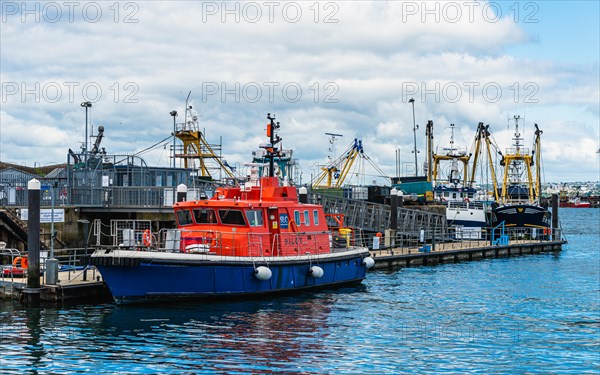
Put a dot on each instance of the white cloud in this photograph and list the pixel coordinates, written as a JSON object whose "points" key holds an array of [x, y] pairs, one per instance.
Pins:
{"points": [[355, 77]]}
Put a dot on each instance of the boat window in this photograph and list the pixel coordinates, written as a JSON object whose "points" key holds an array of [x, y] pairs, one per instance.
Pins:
{"points": [[232, 217], [316, 217], [446, 194], [306, 218], [184, 217], [453, 195], [205, 216], [297, 217], [255, 218], [470, 195]]}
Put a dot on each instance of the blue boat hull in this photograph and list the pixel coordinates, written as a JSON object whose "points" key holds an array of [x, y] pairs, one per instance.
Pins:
{"points": [[137, 280], [521, 215]]}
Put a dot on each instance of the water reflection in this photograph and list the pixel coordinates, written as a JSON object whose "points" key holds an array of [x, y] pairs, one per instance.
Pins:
{"points": [[266, 334], [21, 332], [262, 335]]}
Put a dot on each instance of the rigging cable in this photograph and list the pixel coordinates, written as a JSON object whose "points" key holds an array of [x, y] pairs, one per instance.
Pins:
{"points": [[153, 146]]}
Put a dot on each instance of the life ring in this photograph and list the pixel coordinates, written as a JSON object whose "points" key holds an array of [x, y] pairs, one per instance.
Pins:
{"points": [[546, 231], [209, 238], [22, 262], [147, 238], [378, 234]]}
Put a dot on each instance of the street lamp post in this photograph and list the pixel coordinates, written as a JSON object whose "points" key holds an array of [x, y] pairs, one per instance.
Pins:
{"points": [[86, 105], [174, 114], [52, 191], [415, 127]]}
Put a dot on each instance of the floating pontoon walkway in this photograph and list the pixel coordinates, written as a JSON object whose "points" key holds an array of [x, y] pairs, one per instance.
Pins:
{"points": [[71, 286], [454, 252]]}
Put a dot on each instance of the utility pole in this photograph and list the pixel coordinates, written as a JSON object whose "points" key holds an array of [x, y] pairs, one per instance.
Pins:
{"points": [[415, 127]]}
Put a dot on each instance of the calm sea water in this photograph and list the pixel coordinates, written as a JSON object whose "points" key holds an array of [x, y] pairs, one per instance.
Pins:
{"points": [[528, 315]]}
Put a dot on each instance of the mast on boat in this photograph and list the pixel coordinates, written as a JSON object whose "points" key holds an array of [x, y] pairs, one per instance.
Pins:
{"points": [[538, 161], [270, 148], [518, 162], [452, 154]]}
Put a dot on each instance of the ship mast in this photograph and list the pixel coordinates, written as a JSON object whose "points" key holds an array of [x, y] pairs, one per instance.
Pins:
{"points": [[454, 155], [513, 162], [538, 158], [453, 152], [273, 140]]}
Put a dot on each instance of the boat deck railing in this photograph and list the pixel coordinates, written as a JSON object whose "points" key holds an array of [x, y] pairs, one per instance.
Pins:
{"points": [[232, 243], [466, 205], [517, 151]]}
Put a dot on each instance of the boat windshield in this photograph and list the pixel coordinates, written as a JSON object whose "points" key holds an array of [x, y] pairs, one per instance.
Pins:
{"points": [[232, 217], [255, 218], [184, 217], [205, 216]]}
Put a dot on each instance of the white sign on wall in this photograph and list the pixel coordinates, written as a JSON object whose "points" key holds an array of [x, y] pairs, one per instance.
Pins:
{"points": [[46, 215]]}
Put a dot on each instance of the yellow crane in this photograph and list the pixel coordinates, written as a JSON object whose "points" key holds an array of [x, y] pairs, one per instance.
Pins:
{"points": [[483, 135], [335, 174], [339, 168], [196, 148]]}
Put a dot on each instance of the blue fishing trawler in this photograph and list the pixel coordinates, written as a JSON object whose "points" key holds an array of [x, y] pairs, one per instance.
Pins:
{"points": [[518, 204]]}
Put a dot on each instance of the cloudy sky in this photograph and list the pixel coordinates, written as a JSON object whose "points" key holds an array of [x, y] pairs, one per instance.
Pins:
{"points": [[340, 67]]}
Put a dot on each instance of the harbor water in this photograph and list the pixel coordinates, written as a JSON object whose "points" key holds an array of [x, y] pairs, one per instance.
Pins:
{"points": [[537, 314]]}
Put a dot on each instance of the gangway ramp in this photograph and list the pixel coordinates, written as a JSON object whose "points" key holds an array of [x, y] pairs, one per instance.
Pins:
{"points": [[375, 217]]}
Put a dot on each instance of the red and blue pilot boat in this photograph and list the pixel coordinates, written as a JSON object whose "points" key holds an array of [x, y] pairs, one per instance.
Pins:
{"points": [[252, 239]]}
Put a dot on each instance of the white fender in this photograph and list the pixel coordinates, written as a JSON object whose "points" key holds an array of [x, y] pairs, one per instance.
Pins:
{"points": [[316, 272], [262, 273], [368, 262]]}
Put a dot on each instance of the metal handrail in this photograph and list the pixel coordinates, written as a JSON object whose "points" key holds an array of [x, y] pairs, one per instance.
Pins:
{"points": [[12, 253], [255, 244]]}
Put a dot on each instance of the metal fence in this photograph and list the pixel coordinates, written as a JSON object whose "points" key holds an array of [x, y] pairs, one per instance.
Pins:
{"points": [[375, 217], [113, 196], [451, 240], [69, 260]]}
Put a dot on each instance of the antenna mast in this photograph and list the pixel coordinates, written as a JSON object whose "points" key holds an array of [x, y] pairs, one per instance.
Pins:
{"points": [[273, 140]]}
